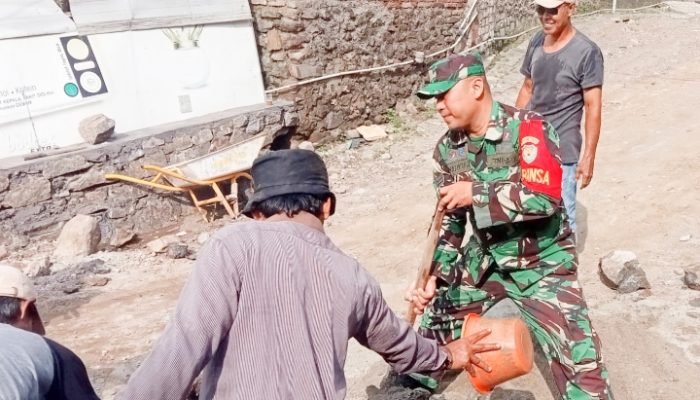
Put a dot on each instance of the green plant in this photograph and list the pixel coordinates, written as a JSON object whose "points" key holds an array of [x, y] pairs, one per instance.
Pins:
{"points": [[394, 120], [585, 7]]}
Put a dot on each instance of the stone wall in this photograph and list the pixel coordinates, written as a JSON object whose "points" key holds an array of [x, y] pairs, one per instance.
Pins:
{"points": [[302, 39], [37, 197]]}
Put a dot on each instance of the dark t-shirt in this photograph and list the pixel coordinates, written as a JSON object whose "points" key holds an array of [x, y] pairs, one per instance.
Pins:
{"points": [[71, 380], [33, 367], [559, 79]]}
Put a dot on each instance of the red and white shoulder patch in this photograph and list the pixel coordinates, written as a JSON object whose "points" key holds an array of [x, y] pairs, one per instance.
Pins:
{"points": [[539, 169]]}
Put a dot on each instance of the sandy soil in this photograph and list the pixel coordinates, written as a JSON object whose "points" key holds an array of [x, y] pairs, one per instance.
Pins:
{"points": [[643, 198]]}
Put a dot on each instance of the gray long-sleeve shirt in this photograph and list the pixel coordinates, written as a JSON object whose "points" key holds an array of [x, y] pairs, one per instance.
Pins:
{"points": [[267, 314]]}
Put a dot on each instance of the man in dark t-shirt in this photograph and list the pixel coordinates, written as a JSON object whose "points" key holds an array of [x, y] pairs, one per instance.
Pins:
{"points": [[563, 77]]}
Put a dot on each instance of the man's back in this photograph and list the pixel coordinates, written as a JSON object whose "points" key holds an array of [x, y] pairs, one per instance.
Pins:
{"points": [[26, 365], [300, 282], [268, 312]]}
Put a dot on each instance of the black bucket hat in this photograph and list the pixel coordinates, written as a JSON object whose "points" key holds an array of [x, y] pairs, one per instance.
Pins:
{"points": [[288, 172]]}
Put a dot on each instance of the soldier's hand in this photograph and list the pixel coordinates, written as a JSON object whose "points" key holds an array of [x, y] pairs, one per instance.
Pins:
{"points": [[465, 352], [419, 298], [456, 195], [584, 170]]}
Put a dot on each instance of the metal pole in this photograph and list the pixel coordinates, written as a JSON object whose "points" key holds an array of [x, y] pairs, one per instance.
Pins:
{"points": [[614, 10]]}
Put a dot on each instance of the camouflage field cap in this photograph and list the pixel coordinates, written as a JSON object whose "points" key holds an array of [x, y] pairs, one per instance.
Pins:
{"points": [[445, 73]]}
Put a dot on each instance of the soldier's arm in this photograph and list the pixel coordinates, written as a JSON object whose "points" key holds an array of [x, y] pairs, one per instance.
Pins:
{"points": [[453, 224], [534, 193]]}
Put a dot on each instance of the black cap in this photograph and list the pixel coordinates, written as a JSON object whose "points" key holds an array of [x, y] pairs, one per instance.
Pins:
{"points": [[287, 172]]}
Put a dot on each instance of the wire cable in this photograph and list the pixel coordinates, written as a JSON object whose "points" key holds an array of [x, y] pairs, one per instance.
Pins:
{"points": [[459, 39]]}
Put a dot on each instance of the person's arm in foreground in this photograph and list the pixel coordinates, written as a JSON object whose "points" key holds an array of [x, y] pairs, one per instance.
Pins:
{"points": [[403, 348], [203, 317]]}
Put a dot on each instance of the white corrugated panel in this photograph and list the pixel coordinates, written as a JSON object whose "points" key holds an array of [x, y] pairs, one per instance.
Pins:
{"points": [[22, 18], [100, 16]]}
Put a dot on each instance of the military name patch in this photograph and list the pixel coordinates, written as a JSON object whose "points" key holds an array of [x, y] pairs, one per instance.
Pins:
{"points": [[502, 160], [458, 166]]}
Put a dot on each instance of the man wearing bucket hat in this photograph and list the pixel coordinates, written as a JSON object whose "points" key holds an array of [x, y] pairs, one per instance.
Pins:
{"points": [[32, 366], [498, 168], [563, 72], [271, 304]]}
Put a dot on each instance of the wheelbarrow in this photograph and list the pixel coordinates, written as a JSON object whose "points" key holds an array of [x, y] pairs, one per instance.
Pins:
{"points": [[226, 165]]}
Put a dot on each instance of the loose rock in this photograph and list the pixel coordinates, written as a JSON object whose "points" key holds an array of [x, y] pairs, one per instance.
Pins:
{"points": [[79, 237], [691, 279], [120, 237], [39, 268], [176, 251], [159, 245], [96, 129], [372, 132], [620, 270], [96, 266], [71, 279], [352, 134]]}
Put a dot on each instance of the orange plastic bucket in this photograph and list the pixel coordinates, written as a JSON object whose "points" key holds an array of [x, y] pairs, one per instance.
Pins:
{"points": [[511, 361]]}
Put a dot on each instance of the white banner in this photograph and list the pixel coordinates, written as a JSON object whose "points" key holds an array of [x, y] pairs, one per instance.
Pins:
{"points": [[143, 78], [45, 74]]}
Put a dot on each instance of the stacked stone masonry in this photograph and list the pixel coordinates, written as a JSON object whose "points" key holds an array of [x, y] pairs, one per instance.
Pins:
{"points": [[36, 199], [302, 39]]}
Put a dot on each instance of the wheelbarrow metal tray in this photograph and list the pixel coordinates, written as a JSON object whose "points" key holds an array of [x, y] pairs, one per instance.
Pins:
{"points": [[218, 165]]}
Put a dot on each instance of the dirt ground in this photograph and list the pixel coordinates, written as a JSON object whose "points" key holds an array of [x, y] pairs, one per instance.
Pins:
{"points": [[644, 198]]}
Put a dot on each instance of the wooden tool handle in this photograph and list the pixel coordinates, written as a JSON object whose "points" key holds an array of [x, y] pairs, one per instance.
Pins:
{"points": [[427, 259]]}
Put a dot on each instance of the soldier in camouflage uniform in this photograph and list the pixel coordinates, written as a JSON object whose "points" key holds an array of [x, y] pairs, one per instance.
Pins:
{"points": [[499, 168]]}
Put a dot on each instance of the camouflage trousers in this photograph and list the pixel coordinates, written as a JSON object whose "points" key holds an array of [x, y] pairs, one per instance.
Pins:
{"points": [[554, 310]]}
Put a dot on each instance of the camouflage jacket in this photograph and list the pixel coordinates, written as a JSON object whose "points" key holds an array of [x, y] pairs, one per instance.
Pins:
{"points": [[517, 215]]}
